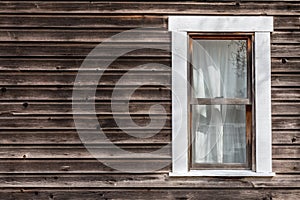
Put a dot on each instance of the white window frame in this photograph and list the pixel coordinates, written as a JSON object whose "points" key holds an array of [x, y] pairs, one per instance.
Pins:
{"points": [[261, 28]]}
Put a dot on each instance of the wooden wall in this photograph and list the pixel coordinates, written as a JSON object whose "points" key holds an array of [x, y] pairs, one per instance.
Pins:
{"points": [[42, 46]]}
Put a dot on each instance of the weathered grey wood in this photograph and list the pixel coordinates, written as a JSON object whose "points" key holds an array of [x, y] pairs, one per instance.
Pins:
{"points": [[106, 122], [116, 136], [90, 194], [286, 23], [217, 7], [73, 64], [286, 80], [65, 93], [79, 151], [80, 21], [285, 123], [144, 181], [65, 108], [88, 21], [285, 65], [286, 137], [284, 152], [285, 94], [285, 37], [288, 50], [285, 108], [44, 166], [65, 78], [286, 166], [82, 50], [85, 36]]}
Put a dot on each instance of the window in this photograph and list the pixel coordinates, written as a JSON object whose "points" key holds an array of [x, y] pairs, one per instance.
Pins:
{"points": [[221, 104]]}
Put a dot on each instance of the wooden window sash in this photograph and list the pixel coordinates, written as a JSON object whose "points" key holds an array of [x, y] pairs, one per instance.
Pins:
{"points": [[250, 141]]}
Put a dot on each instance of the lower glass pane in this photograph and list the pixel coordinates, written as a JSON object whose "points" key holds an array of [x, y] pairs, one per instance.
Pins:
{"points": [[219, 134]]}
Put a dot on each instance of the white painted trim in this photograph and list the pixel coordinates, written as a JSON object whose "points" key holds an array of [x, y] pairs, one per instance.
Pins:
{"points": [[261, 27], [263, 102], [221, 23], [224, 173], [179, 102]]}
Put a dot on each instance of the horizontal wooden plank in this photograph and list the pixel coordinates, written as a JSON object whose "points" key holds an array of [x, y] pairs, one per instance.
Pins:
{"points": [[65, 94], [286, 137], [285, 37], [286, 166], [143, 181], [65, 78], [286, 23], [114, 21], [83, 35], [106, 122], [287, 50], [108, 50], [285, 108], [285, 94], [82, 21], [285, 80], [285, 65], [101, 108], [286, 152], [135, 136], [48, 64], [90, 194], [87, 166], [285, 123], [80, 152], [220, 7]]}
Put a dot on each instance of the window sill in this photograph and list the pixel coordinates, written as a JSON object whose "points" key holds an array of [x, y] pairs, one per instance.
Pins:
{"points": [[223, 173]]}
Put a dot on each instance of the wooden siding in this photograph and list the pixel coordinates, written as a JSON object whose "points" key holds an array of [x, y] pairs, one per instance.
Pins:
{"points": [[42, 45]]}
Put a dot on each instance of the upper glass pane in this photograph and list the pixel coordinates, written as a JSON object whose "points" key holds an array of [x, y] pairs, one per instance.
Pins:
{"points": [[219, 68]]}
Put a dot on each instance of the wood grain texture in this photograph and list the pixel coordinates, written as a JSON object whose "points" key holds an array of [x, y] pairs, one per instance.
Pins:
{"points": [[118, 181], [65, 93], [91, 194], [208, 7]]}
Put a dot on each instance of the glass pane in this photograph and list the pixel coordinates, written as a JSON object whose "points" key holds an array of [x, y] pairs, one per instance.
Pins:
{"points": [[219, 134], [219, 68]]}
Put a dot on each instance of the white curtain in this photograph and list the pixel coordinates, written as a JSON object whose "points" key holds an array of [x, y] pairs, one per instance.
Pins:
{"points": [[219, 71]]}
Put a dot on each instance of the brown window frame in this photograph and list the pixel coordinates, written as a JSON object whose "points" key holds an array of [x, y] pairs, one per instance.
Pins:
{"points": [[248, 102]]}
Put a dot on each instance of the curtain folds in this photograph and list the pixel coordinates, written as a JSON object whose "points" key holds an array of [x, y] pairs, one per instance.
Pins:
{"points": [[219, 71]]}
